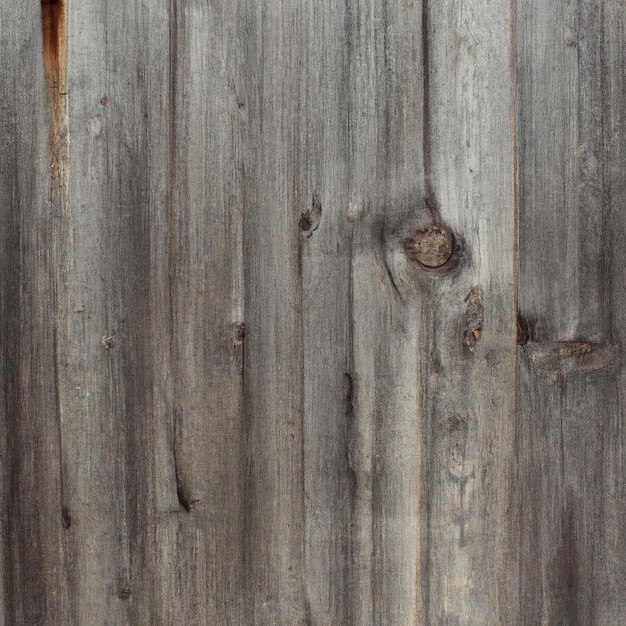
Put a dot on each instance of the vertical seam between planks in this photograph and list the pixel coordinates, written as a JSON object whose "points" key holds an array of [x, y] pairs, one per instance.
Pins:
{"points": [[423, 582], [426, 126], [303, 537], [53, 25], [516, 271], [606, 292], [514, 147], [172, 256]]}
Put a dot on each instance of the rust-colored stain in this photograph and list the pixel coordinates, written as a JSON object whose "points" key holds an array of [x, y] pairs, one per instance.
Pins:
{"points": [[54, 63], [53, 31], [239, 334]]}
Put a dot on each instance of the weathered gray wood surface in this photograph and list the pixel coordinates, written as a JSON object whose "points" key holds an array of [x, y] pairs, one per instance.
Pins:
{"points": [[228, 395], [570, 423]]}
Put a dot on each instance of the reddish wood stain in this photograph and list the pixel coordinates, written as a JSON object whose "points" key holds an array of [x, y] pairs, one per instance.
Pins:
{"points": [[53, 35], [54, 62]]}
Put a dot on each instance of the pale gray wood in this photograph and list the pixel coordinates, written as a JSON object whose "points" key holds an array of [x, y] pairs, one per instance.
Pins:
{"points": [[468, 319], [325, 256], [363, 105], [157, 197], [199, 385], [273, 372], [570, 423], [386, 199], [228, 395]]}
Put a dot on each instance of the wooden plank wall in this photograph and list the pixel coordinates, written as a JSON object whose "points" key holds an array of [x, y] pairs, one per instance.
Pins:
{"points": [[570, 427], [228, 395]]}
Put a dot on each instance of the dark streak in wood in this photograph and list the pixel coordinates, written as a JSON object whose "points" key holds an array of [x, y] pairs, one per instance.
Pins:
{"points": [[427, 138], [524, 331], [310, 219], [55, 63], [390, 276]]}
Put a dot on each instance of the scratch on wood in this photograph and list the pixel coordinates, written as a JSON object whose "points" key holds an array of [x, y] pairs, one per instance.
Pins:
{"points": [[54, 62]]}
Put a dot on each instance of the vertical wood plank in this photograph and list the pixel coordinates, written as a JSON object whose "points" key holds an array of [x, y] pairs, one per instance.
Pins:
{"points": [[203, 523], [105, 316], [363, 104], [325, 258], [273, 371], [570, 85], [35, 581], [386, 198], [468, 318]]}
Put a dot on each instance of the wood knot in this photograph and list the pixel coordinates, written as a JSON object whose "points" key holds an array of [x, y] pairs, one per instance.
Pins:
{"points": [[310, 219], [239, 334], [431, 246]]}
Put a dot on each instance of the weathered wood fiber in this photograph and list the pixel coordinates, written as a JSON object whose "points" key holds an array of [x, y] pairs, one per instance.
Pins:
{"points": [[468, 320], [231, 394], [34, 575], [570, 437]]}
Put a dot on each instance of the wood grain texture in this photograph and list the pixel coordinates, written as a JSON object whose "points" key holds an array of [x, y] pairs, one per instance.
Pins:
{"points": [[273, 373], [570, 423], [229, 395], [386, 199], [36, 584], [201, 301], [468, 321]]}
